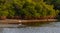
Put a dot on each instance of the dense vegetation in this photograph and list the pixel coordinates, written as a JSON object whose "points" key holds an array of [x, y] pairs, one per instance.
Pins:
{"points": [[56, 3], [28, 9]]}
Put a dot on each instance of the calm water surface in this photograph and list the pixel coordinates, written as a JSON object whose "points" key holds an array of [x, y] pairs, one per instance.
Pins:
{"points": [[46, 28]]}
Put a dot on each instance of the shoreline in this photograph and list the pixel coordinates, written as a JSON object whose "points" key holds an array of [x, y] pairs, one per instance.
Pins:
{"points": [[14, 21], [23, 23]]}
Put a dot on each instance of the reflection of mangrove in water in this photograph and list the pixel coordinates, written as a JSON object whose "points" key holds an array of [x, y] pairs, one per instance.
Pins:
{"points": [[36, 23], [43, 24], [48, 29]]}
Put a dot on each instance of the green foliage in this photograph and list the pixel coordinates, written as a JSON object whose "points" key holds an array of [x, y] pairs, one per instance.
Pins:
{"points": [[58, 1], [27, 8], [3, 13], [11, 13]]}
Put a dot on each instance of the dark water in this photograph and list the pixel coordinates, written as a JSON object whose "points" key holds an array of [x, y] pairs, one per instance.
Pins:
{"points": [[53, 27]]}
